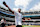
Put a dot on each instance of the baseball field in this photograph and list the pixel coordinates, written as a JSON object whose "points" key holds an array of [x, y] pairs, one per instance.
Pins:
{"points": [[31, 26], [25, 26]]}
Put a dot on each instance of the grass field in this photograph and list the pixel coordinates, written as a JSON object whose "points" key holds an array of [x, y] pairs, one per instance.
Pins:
{"points": [[31, 26]]}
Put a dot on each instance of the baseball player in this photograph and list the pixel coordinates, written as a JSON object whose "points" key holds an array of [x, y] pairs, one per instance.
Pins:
{"points": [[18, 16]]}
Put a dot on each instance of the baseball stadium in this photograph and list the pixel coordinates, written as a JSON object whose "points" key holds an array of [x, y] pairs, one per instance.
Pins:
{"points": [[30, 19]]}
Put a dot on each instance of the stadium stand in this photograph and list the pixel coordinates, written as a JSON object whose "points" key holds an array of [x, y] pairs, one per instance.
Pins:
{"points": [[10, 18]]}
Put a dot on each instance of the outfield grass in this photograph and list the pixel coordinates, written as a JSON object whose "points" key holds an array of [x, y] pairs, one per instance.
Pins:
{"points": [[31, 26]]}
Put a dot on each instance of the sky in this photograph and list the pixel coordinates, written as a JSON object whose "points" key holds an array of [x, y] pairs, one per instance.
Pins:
{"points": [[24, 5]]}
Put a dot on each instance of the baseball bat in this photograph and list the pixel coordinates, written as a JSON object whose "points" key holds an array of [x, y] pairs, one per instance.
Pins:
{"points": [[5, 4]]}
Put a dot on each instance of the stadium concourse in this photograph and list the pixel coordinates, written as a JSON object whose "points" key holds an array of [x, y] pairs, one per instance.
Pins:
{"points": [[31, 19]]}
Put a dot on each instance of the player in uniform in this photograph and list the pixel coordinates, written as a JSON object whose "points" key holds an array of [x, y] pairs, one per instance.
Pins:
{"points": [[18, 16]]}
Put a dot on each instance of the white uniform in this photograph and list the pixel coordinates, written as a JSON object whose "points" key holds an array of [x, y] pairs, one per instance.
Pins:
{"points": [[18, 18]]}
